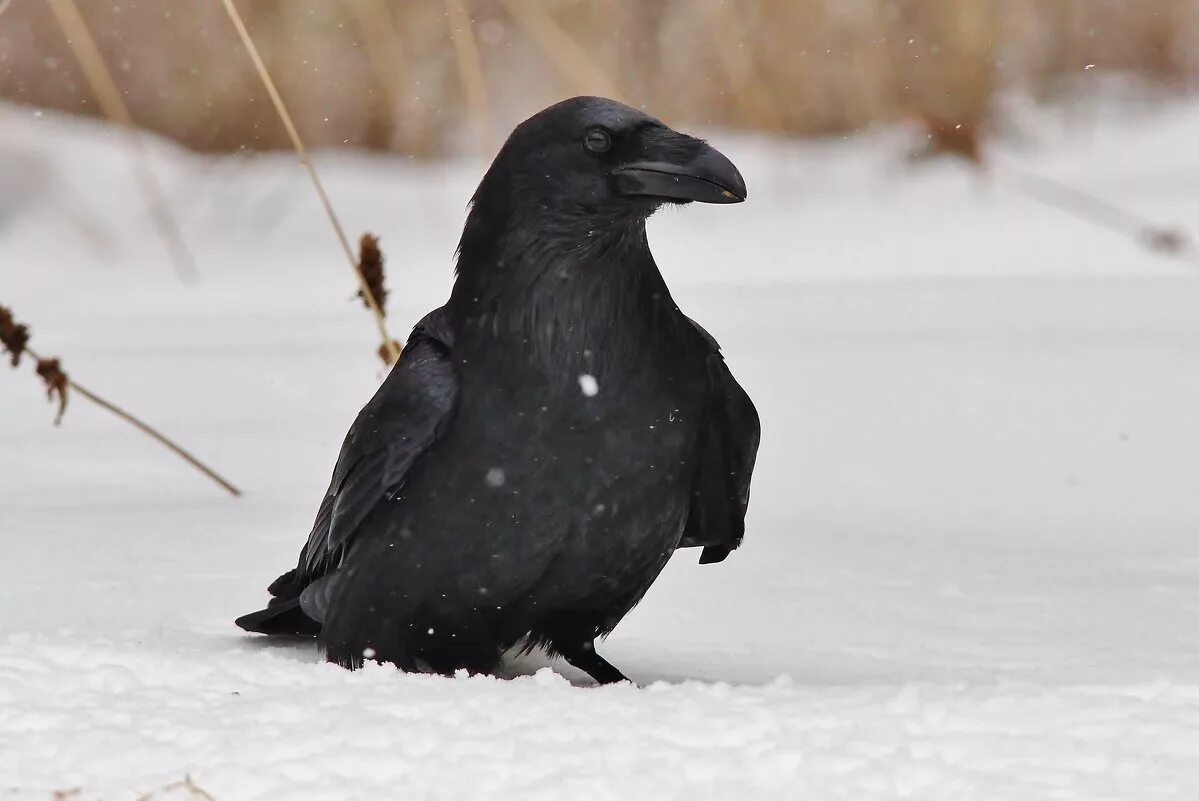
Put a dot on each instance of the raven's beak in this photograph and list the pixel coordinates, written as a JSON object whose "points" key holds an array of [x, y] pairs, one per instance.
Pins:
{"points": [[707, 177]]}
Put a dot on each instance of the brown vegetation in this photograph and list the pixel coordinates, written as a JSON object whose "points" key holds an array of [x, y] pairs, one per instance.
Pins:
{"points": [[108, 98], [370, 266], [391, 75], [14, 340], [389, 350]]}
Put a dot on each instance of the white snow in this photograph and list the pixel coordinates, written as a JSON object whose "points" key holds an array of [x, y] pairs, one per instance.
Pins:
{"points": [[971, 568], [589, 385]]}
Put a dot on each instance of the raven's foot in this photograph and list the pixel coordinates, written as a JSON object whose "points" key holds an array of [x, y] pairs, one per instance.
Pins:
{"points": [[584, 657]]}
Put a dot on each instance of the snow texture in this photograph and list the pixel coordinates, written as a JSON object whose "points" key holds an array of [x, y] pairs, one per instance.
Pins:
{"points": [[971, 568]]}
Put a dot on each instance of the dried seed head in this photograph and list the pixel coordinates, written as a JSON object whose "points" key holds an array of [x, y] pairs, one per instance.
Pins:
{"points": [[56, 384], [946, 138], [13, 335], [370, 264], [1166, 240], [385, 351]]}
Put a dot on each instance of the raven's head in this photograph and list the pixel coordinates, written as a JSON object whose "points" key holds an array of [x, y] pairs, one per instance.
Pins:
{"points": [[599, 159], [574, 184]]}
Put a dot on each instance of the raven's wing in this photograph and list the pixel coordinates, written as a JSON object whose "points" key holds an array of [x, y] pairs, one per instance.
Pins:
{"points": [[409, 412], [729, 446]]}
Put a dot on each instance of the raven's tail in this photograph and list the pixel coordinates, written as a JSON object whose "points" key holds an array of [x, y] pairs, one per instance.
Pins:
{"points": [[283, 615]]}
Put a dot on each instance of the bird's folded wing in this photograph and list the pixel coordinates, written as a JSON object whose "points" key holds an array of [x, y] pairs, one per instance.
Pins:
{"points": [[720, 492], [407, 414]]}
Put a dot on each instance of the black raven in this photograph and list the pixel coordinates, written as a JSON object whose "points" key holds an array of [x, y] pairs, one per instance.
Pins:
{"points": [[550, 436]]}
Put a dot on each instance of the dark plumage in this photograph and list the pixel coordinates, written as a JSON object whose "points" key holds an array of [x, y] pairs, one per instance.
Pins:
{"points": [[550, 436]]}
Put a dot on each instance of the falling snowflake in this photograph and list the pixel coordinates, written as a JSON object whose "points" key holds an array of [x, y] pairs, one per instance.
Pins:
{"points": [[495, 477], [588, 384]]}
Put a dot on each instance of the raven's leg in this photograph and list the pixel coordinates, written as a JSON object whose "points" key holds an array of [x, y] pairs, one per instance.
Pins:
{"points": [[583, 656]]}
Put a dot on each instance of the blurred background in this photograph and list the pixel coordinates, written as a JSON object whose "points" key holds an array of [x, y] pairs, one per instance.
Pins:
{"points": [[976, 375], [389, 75]]}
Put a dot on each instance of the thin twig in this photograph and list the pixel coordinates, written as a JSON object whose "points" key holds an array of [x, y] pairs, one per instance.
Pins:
{"points": [[145, 427], [1103, 213], [177, 448], [470, 71], [557, 45], [390, 346], [186, 783], [73, 27], [14, 340], [964, 140]]}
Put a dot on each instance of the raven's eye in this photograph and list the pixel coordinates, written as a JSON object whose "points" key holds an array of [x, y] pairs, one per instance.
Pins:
{"points": [[597, 140]]}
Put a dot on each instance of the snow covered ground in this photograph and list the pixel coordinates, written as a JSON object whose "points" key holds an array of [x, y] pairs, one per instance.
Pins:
{"points": [[972, 566]]}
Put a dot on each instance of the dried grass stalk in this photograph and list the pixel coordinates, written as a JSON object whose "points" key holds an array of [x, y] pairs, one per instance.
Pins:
{"points": [[470, 71], [14, 337], [186, 783], [570, 59], [964, 140], [388, 59], [1167, 240], [100, 79], [390, 346], [729, 38], [811, 66]]}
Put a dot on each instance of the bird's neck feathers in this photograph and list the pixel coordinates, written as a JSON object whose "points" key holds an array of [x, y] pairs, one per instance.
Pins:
{"points": [[552, 287]]}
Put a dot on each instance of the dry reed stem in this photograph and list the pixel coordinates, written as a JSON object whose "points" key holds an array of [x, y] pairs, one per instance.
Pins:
{"points": [[729, 38], [186, 783], [964, 141], [384, 44], [158, 435], [390, 347], [384, 47], [559, 47], [1103, 213], [470, 71], [14, 339], [100, 79], [832, 66]]}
